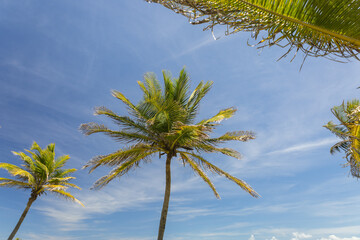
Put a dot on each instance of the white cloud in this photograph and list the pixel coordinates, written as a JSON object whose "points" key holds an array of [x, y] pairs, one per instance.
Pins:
{"points": [[252, 237], [305, 146], [333, 237], [298, 236]]}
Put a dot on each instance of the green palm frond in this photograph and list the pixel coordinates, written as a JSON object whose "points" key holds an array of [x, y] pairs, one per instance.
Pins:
{"points": [[17, 171], [123, 121], [6, 182], [340, 146], [200, 172], [217, 170], [233, 136], [194, 100], [61, 161], [124, 168], [65, 195], [133, 152], [122, 136], [223, 114], [324, 28], [131, 107]]}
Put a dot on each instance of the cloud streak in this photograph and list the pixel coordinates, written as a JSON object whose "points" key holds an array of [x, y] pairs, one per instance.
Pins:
{"points": [[303, 147]]}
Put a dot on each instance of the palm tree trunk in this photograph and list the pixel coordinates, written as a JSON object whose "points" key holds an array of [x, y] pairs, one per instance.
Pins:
{"points": [[166, 198], [31, 200]]}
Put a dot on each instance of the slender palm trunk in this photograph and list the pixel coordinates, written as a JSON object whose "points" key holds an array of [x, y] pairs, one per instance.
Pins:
{"points": [[23, 215], [166, 198]]}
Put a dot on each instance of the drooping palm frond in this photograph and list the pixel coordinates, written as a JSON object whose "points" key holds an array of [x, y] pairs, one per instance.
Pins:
{"points": [[209, 166], [349, 132], [323, 28], [197, 169]]}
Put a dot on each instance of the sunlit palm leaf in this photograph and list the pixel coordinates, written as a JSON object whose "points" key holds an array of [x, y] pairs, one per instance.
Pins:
{"points": [[122, 169], [329, 28], [214, 168], [200, 172], [65, 195]]}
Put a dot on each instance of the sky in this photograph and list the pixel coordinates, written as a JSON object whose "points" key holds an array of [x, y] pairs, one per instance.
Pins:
{"points": [[60, 59]]}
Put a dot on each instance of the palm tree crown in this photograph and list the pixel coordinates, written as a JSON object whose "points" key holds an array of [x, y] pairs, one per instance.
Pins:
{"points": [[349, 132], [163, 123], [40, 173], [327, 28]]}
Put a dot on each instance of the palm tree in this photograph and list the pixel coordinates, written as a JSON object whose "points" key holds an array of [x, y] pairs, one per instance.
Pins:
{"points": [[349, 132], [41, 173], [163, 123], [328, 28]]}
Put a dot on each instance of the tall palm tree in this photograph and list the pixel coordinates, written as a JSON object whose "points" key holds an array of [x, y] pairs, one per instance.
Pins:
{"points": [[328, 28], [40, 173], [163, 123], [349, 132]]}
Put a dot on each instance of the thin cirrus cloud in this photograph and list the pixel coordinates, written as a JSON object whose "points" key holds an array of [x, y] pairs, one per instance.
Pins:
{"points": [[303, 147]]}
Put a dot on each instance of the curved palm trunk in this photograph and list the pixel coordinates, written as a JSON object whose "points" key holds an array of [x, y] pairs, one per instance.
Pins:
{"points": [[23, 215], [166, 198]]}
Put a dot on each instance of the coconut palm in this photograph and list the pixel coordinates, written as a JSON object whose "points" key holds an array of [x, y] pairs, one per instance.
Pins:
{"points": [[40, 173], [163, 123], [349, 132], [329, 28]]}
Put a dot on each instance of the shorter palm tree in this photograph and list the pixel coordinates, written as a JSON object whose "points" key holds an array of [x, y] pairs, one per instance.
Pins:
{"points": [[41, 173], [349, 132]]}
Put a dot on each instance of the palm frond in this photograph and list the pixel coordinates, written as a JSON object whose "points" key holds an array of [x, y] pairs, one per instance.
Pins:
{"points": [[121, 170], [17, 171], [340, 146], [121, 136], [200, 172], [63, 173], [233, 136], [29, 164], [339, 130], [132, 108], [194, 100], [6, 182], [42, 170], [181, 87], [61, 161], [223, 114], [50, 187], [121, 156], [217, 170], [123, 121], [317, 28], [65, 195]]}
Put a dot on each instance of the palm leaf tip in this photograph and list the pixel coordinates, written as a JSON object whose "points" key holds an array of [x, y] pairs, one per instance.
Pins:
{"points": [[90, 128]]}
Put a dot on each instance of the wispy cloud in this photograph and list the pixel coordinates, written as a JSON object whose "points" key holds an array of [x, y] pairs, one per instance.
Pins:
{"points": [[333, 237], [303, 147]]}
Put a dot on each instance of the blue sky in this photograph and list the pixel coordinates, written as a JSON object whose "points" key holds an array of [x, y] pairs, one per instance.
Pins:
{"points": [[60, 59]]}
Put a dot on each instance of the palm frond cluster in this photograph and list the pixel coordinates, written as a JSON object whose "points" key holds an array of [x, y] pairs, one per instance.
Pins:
{"points": [[322, 28], [163, 122], [40, 172], [349, 132]]}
